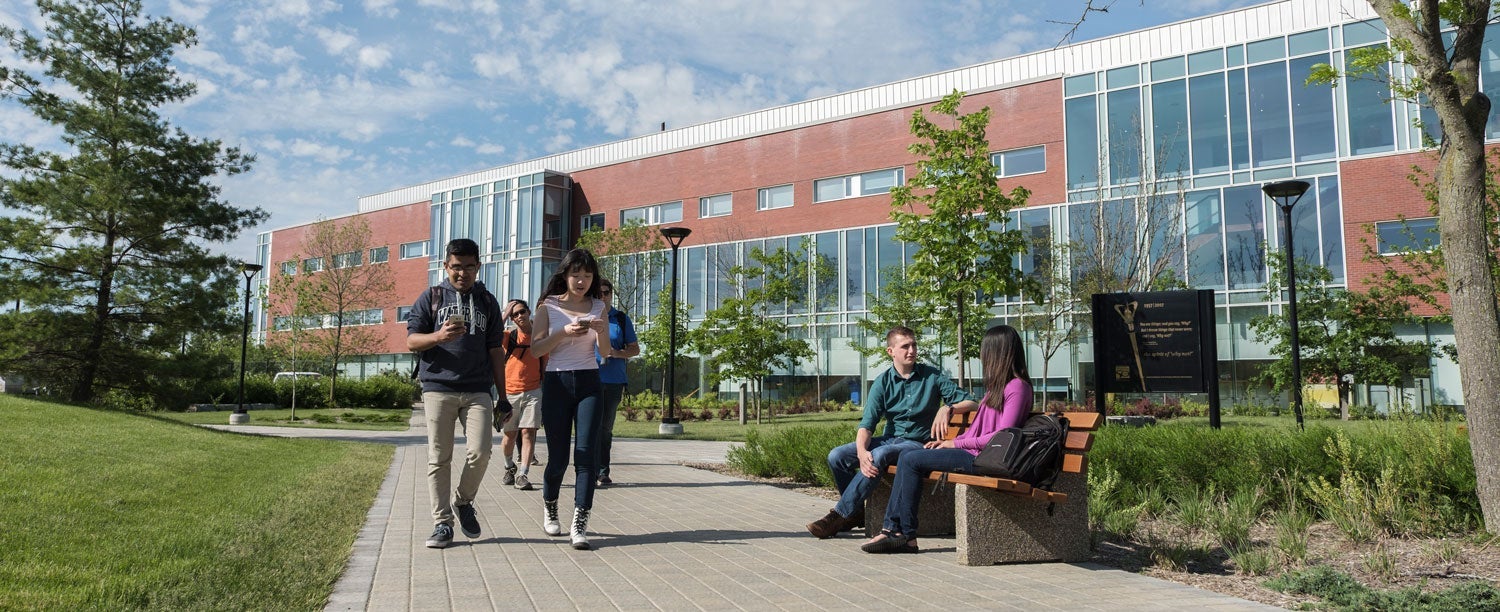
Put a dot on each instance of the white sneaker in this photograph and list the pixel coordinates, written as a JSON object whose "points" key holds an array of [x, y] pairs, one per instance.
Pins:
{"points": [[550, 523], [580, 529]]}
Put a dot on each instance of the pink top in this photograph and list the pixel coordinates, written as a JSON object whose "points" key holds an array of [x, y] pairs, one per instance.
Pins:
{"points": [[1014, 407], [572, 352]]}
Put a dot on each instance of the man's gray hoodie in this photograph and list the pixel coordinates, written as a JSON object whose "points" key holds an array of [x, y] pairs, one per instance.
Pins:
{"points": [[462, 365]]}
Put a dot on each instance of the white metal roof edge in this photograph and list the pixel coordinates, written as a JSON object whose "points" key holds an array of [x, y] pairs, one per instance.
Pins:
{"points": [[1187, 36]]}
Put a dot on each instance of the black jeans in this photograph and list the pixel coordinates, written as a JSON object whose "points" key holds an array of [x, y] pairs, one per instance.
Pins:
{"points": [[571, 398]]}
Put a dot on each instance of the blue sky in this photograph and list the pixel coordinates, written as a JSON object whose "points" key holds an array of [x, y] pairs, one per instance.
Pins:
{"points": [[340, 99]]}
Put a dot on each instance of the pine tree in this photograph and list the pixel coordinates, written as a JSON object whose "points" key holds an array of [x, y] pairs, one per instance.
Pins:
{"points": [[105, 239]]}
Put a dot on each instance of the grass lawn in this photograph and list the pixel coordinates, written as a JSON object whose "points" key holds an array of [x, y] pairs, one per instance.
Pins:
{"points": [[333, 418], [108, 510], [731, 430]]}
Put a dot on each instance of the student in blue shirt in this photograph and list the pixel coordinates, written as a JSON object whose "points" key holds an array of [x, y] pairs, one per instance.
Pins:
{"points": [[623, 345]]}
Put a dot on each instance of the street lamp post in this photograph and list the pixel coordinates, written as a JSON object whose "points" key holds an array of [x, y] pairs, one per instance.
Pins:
{"points": [[669, 421], [1286, 194], [240, 417]]}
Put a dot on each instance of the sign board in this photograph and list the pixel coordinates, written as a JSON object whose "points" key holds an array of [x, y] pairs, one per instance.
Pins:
{"points": [[1156, 342]]}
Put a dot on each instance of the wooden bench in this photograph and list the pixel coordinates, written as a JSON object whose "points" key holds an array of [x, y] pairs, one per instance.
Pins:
{"points": [[995, 520]]}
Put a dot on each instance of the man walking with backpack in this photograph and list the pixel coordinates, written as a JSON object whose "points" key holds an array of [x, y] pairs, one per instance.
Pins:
{"points": [[456, 327], [523, 390], [916, 400]]}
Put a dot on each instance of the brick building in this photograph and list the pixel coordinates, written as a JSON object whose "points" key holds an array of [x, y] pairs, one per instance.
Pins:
{"points": [[1212, 108]]}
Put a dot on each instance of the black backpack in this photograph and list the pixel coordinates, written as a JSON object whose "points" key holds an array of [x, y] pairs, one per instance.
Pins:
{"points": [[1031, 453]]}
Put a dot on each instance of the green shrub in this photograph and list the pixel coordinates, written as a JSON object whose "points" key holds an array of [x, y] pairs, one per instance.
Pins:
{"points": [[1342, 591], [1251, 561], [1291, 534], [386, 391], [1421, 472], [799, 453]]}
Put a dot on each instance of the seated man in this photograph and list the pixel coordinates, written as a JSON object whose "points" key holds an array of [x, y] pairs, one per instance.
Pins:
{"points": [[917, 400]]}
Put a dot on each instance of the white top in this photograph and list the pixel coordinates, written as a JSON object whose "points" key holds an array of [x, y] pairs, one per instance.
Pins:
{"points": [[572, 352]]}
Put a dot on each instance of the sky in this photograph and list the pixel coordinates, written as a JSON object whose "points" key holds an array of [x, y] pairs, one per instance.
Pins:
{"points": [[341, 99]]}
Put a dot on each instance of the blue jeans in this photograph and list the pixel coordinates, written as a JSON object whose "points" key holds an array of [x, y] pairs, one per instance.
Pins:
{"points": [[906, 492], [854, 487], [570, 398], [609, 396]]}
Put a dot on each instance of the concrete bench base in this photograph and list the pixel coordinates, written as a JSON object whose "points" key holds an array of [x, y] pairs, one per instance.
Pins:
{"points": [[934, 514], [994, 527]]}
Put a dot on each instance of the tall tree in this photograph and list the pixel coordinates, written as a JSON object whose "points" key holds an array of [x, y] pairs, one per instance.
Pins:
{"points": [[1055, 316], [740, 339], [106, 238], [954, 212], [1441, 41], [336, 290], [1345, 335], [631, 256]]}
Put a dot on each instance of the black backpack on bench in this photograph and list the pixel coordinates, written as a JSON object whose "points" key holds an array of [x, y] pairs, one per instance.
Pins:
{"points": [[1031, 453]]}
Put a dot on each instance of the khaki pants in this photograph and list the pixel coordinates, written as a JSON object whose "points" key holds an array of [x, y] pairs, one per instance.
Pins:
{"points": [[475, 411]]}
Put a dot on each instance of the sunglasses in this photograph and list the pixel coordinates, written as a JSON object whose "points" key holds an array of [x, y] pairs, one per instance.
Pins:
{"points": [[518, 312]]}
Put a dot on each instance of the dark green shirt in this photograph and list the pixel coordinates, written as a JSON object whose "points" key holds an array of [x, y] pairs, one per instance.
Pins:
{"points": [[910, 403]]}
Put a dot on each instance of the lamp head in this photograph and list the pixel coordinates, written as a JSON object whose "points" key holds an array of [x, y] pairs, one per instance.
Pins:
{"points": [[675, 235], [1288, 193], [249, 269]]}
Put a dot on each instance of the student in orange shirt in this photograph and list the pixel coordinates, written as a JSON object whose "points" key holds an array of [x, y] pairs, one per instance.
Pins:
{"points": [[523, 388]]}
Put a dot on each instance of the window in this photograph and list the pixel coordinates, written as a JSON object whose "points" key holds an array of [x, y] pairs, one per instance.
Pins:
{"points": [[655, 214], [282, 323], [380, 255], [1029, 160], [414, 249], [1407, 235], [346, 260], [856, 185], [312, 265], [774, 197], [588, 222], [402, 312], [715, 206], [289, 268]]}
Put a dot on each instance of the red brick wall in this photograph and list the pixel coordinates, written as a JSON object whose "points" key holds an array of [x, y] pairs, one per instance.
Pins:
{"points": [[1022, 116], [389, 227], [1379, 189]]}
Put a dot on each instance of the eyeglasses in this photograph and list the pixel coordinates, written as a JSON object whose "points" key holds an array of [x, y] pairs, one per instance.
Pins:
{"points": [[606, 291], [468, 269], [517, 313]]}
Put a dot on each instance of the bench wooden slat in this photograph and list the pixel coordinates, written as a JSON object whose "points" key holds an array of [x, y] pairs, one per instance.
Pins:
{"points": [[1088, 421], [1074, 464], [1080, 441]]}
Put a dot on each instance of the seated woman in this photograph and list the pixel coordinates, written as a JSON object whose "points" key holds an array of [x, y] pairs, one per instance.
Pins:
{"points": [[1005, 382]]}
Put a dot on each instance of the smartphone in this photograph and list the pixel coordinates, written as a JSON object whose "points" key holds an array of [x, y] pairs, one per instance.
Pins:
{"points": [[457, 319]]}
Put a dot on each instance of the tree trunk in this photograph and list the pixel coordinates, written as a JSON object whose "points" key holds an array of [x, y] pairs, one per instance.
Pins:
{"points": [[1476, 323], [962, 383], [83, 388]]}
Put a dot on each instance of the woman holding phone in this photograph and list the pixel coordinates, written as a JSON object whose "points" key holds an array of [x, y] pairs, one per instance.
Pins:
{"points": [[568, 327]]}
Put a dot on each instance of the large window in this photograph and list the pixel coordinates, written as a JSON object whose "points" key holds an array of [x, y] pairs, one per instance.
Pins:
{"points": [[346, 260], [856, 185], [655, 214], [1407, 235], [312, 265], [588, 222], [411, 250], [1016, 162], [774, 197], [715, 206], [289, 268], [380, 255]]}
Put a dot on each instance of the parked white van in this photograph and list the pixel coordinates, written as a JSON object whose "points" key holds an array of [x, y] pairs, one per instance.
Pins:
{"points": [[280, 376]]}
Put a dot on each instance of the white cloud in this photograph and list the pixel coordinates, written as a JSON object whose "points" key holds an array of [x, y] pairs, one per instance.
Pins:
{"points": [[496, 65], [336, 42], [191, 11], [381, 8], [375, 57], [328, 154]]}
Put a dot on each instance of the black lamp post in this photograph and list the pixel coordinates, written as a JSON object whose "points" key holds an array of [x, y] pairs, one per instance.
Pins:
{"points": [[1286, 194], [669, 422], [240, 416]]}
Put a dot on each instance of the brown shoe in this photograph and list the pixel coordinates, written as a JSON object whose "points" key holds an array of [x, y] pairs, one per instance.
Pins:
{"points": [[855, 522], [828, 526]]}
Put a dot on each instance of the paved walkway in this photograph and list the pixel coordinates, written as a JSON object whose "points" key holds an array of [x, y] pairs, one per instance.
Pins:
{"points": [[668, 537]]}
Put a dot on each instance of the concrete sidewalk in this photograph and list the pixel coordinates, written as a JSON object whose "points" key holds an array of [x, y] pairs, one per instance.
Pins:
{"points": [[670, 537]]}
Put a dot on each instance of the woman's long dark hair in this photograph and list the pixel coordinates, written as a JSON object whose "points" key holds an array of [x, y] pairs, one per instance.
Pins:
{"points": [[575, 260], [1003, 358]]}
